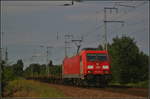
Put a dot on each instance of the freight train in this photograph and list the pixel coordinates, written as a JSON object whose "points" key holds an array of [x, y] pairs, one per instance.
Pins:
{"points": [[89, 67]]}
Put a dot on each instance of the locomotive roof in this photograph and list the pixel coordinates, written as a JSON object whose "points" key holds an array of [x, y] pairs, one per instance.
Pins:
{"points": [[90, 49]]}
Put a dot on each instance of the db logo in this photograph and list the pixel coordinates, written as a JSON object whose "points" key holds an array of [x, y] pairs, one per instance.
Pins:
{"points": [[97, 63]]}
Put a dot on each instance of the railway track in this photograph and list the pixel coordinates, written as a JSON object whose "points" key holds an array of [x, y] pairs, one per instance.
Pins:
{"points": [[110, 91], [139, 92]]}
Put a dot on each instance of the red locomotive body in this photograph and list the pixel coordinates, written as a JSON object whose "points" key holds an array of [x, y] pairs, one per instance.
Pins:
{"points": [[95, 62], [89, 65], [71, 67]]}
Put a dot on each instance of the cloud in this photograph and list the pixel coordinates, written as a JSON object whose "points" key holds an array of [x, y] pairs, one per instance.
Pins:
{"points": [[91, 16], [15, 7]]}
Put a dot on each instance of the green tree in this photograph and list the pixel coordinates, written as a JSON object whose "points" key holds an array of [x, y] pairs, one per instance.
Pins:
{"points": [[50, 63], [35, 70], [124, 53], [142, 63], [8, 74], [100, 47], [18, 68]]}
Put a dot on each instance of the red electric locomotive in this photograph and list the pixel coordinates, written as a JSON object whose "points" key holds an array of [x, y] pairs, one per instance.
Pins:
{"points": [[89, 67]]}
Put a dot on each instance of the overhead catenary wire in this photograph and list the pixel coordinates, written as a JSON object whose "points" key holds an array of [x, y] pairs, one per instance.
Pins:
{"points": [[126, 14], [120, 28], [130, 24], [120, 16], [67, 41], [129, 33], [61, 3], [44, 3]]}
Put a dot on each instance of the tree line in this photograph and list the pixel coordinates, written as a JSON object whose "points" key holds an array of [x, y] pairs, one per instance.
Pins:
{"points": [[128, 63]]}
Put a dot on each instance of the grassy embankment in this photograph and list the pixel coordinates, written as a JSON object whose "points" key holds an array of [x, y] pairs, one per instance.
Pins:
{"points": [[142, 84], [29, 88]]}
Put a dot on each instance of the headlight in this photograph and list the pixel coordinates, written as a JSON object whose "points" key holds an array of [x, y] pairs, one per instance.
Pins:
{"points": [[90, 67], [105, 66]]}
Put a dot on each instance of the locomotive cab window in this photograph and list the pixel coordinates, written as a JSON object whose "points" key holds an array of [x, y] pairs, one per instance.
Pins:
{"points": [[96, 57], [101, 57], [91, 57]]}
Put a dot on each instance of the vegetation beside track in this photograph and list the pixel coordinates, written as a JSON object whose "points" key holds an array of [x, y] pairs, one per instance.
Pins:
{"points": [[142, 84], [29, 88]]}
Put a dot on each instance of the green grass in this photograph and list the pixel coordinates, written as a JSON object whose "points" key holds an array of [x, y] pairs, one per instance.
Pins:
{"points": [[29, 88], [142, 84]]}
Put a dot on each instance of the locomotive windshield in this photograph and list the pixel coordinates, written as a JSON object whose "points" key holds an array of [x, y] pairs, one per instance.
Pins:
{"points": [[96, 57], [91, 57], [101, 57]]}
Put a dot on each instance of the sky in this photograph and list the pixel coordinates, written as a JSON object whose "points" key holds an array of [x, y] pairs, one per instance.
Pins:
{"points": [[30, 27]]}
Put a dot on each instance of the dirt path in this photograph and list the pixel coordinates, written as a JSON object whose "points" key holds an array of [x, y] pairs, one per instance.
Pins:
{"points": [[91, 92]]}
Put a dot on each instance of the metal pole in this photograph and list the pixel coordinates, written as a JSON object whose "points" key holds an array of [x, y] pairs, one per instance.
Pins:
{"points": [[41, 46], [47, 61], [78, 44], [72, 2], [105, 23], [105, 29], [6, 56], [65, 48], [0, 47], [67, 36], [1, 64], [32, 67]]}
